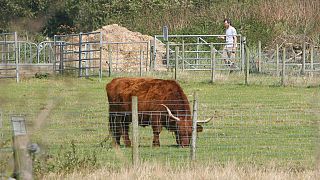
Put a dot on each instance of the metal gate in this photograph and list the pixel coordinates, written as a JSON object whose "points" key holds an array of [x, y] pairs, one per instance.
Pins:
{"points": [[78, 54], [8, 54], [194, 52]]}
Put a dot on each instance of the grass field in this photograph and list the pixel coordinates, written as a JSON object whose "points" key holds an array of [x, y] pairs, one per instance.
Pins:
{"points": [[259, 124]]}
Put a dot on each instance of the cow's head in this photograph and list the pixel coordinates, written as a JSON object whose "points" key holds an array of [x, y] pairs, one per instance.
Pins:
{"points": [[183, 130]]}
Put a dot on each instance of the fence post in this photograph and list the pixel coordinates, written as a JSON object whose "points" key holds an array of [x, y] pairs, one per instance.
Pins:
{"points": [[167, 54], [100, 58], [303, 69], [16, 56], [1, 118], [141, 58], [176, 62], [61, 63], [22, 159], [247, 65], [243, 54], [311, 61], [259, 57], [283, 67], [135, 132], [213, 62], [277, 61], [183, 55], [151, 57], [194, 127], [110, 59], [80, 54]]}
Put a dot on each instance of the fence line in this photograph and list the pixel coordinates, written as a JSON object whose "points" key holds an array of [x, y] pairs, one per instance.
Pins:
{"points": [[272, 132]]}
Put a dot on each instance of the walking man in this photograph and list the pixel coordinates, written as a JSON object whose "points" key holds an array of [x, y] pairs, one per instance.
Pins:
{"points": [[229, 50]]}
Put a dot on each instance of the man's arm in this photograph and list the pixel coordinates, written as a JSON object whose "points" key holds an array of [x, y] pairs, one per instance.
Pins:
{"points": [[234, 43]]}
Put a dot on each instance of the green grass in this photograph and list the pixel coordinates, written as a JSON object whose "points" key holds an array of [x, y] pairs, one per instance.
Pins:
{"points": [[259, 123]]}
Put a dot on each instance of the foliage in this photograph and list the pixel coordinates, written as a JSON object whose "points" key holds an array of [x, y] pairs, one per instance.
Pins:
{"points": [[258, 20], [67, 160]]}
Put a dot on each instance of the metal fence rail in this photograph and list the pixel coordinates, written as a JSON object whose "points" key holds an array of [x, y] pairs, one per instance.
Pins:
{"points": [[307, 62], [129, 57], [9, 67], [195, 51], [79, 54]]}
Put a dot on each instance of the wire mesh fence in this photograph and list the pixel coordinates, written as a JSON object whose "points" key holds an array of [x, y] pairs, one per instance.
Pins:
{"points": [[243, 131]]}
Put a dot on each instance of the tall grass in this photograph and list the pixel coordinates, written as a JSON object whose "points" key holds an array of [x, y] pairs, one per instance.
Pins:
{"points": [[277, 17], [195, 172], [68, 118]]}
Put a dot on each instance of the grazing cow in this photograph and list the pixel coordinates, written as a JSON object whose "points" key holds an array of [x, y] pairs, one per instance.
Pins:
{"points": [[161, 103]]}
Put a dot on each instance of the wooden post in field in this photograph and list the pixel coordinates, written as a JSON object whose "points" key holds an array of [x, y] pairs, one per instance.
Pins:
{"points": [[213, 62], [110, 59], [167, 54], [80, 55], [303, 69], [176, 62], [243, 48], [277, 61], [16, 56], [0, 119], [194, 127], [22, 159], [247, 65], [311, 61], [183, 55], [283, 67], [135, 132], [141, 59], [259, 57], [1, 132]]}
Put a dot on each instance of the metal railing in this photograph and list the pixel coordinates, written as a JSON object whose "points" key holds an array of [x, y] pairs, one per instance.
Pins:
{"points": [[195, 52]]}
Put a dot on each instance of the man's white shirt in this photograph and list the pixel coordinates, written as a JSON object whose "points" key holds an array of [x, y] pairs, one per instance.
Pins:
{"points": [[230, 32]]}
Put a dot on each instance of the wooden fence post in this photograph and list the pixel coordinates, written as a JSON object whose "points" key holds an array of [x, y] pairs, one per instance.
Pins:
{"points": [[303, 69], [247, 65], [213, 62], [176, 62], [311, 61], [243, 58], [110, 59], [0, 119], [194, 127], [135, 132], [283, 67], [22, 158], [141, 59], [16, 56], [167, 54], [183, 55], [259, 57], [277, 61]]}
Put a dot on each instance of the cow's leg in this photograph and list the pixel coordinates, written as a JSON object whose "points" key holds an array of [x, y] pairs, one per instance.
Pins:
{"points": [[115, 128], [125, 131], [125, 134], [156, 127]]}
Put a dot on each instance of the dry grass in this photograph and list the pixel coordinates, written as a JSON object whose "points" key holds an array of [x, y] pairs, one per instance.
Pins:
{"points": [[155, 171]]}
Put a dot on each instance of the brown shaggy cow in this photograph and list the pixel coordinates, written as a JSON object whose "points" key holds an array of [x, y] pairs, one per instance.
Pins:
{"points": [[161, 103]]}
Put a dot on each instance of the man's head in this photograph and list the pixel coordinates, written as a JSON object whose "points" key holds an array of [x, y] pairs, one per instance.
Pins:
{"points": [[227, 23]]}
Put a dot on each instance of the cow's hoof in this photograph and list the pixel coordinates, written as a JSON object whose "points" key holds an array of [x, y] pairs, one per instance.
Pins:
{"points": [[128, 145], [155, 145]]}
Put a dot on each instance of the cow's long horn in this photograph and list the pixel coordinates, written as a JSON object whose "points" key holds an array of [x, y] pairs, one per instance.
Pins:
{"points": [[170, 114], [205, 121]]}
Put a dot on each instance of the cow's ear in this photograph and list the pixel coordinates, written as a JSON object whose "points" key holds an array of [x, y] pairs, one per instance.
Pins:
{"points": [[199, 128]]}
